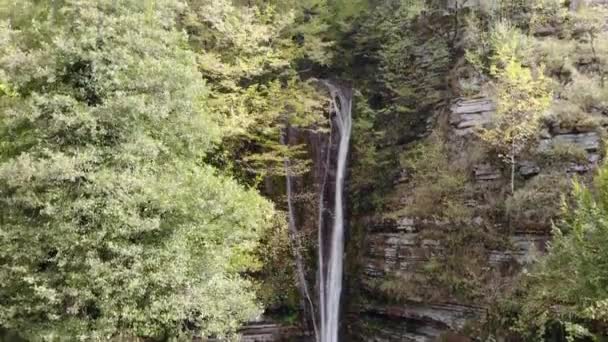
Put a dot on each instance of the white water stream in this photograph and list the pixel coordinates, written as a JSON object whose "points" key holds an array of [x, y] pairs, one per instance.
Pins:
{"points": [[331, 277]]}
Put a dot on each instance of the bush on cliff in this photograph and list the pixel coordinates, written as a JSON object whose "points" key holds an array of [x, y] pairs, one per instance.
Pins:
{"points": [[569, 286]]}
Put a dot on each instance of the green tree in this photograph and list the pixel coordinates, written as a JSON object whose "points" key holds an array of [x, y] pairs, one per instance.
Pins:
{"points": [[569, 286], [247, 55], [522, 96], [111, 224]]}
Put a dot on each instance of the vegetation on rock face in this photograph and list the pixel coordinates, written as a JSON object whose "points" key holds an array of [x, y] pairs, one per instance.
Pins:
{"points": [[456, 270], [539, 63], [399, 74], [538, 201], [552, 50], [522, 95], [438, 182], [567, 288]]}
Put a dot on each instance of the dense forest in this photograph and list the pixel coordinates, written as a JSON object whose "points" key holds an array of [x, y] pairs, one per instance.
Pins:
{"points": [[179, 169]]}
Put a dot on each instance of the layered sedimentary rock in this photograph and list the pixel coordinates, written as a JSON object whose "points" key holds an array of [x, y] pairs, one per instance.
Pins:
{"points": [[270, 332], [467, 115], [398, 250]]}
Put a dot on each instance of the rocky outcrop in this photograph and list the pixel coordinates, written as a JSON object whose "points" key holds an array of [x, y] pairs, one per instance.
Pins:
{"points": [[486, 172], [398, 250], [467, 115], [270, 332], [524, 248], [588, 141], [394, 252], [411, 323], [404, 250], [528, 168], [265, 332]]}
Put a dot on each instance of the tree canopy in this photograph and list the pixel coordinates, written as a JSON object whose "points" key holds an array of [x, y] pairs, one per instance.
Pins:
{"points": [[568, 288], [112, 224]]}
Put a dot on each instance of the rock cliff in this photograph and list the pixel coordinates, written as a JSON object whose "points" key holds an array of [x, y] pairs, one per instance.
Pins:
{"points": [[437, 274], [398, 250]]}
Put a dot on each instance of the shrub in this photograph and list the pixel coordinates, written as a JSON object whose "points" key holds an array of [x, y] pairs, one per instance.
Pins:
{"points": [[569, 286], [556, 54], [538, 202], [561, 155], [396, 288], [437, 183], [588, 93], [568, 116]]}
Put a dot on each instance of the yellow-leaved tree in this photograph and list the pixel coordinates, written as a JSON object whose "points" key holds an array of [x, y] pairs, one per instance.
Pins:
{"points": [[522, 98]]}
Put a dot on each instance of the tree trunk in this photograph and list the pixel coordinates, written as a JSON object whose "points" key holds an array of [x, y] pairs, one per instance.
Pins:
{"points": [[512, 167], [512, 173]]}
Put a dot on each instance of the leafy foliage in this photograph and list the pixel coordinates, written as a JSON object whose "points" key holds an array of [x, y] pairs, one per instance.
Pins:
{"points": [[577, 301], [111, 224], [522, 101], [247, 55], [522, 95], [439, 183], [538, 201]]}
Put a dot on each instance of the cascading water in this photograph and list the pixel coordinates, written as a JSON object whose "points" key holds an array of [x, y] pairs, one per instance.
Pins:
{"points": [[331, 275]]}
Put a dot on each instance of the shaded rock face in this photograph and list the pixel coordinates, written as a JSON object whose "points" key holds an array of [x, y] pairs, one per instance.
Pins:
{"points": [[269, 332], [486, 172], [528, 169], [403, 246], [404, 250], [414, 322], [525, 247]]}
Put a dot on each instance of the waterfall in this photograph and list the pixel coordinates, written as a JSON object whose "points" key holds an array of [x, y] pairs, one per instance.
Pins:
{"points": [[331, 276]]}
